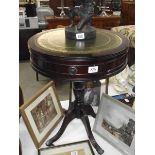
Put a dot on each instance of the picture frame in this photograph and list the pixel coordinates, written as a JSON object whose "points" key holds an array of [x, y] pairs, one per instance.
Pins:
{"points": [[92, 90], [76, 148], [115, 123], [42, 113], [125, 98]]}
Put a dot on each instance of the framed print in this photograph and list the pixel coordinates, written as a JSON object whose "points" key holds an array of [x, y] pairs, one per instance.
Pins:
{"points": [[115, 122], [91, 93], [125, 98], [42, 113], [77, 148]]}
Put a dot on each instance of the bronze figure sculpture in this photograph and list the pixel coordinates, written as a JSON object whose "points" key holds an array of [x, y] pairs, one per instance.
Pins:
{"points": [[83, 30]]}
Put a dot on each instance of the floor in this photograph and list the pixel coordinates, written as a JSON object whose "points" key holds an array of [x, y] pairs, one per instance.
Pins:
{"points": [[29, 84]]}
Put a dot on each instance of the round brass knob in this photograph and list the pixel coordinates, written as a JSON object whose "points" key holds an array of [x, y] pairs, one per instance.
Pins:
{"points": [[72, 70]]}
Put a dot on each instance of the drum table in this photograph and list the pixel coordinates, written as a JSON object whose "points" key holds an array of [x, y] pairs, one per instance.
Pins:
{"points": [[52, 55]]}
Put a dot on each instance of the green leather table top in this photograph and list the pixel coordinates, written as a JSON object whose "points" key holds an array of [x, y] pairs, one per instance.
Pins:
{"points": [[53, 42]]}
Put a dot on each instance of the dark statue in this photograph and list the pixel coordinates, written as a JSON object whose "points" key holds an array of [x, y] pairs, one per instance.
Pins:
{"points": [[85, 11]]}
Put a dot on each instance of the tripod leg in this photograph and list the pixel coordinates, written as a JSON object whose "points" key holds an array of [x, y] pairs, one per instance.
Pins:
{"points": [[107, 84], [37, 78], [68, 118], [86, 123]]}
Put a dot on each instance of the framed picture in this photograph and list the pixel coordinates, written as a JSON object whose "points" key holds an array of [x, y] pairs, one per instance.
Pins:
{"points": [[91, 93], [125, 98], [77, 148], [115, 122], [42, 113]]}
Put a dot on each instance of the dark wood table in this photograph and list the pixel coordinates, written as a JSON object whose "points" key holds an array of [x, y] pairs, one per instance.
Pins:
{"points": [[103, 22], [52, 55]]}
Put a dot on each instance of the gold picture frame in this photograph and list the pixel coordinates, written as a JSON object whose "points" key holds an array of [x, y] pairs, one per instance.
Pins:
{"points": [[76, 148], [42, 113]]}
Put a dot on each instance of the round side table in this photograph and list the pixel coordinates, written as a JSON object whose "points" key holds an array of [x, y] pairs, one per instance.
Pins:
{"points": [[52, 55]]}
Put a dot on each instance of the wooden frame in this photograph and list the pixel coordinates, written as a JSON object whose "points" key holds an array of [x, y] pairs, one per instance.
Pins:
{"points": [[77, 148], [115, 122], [42, 113]]}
